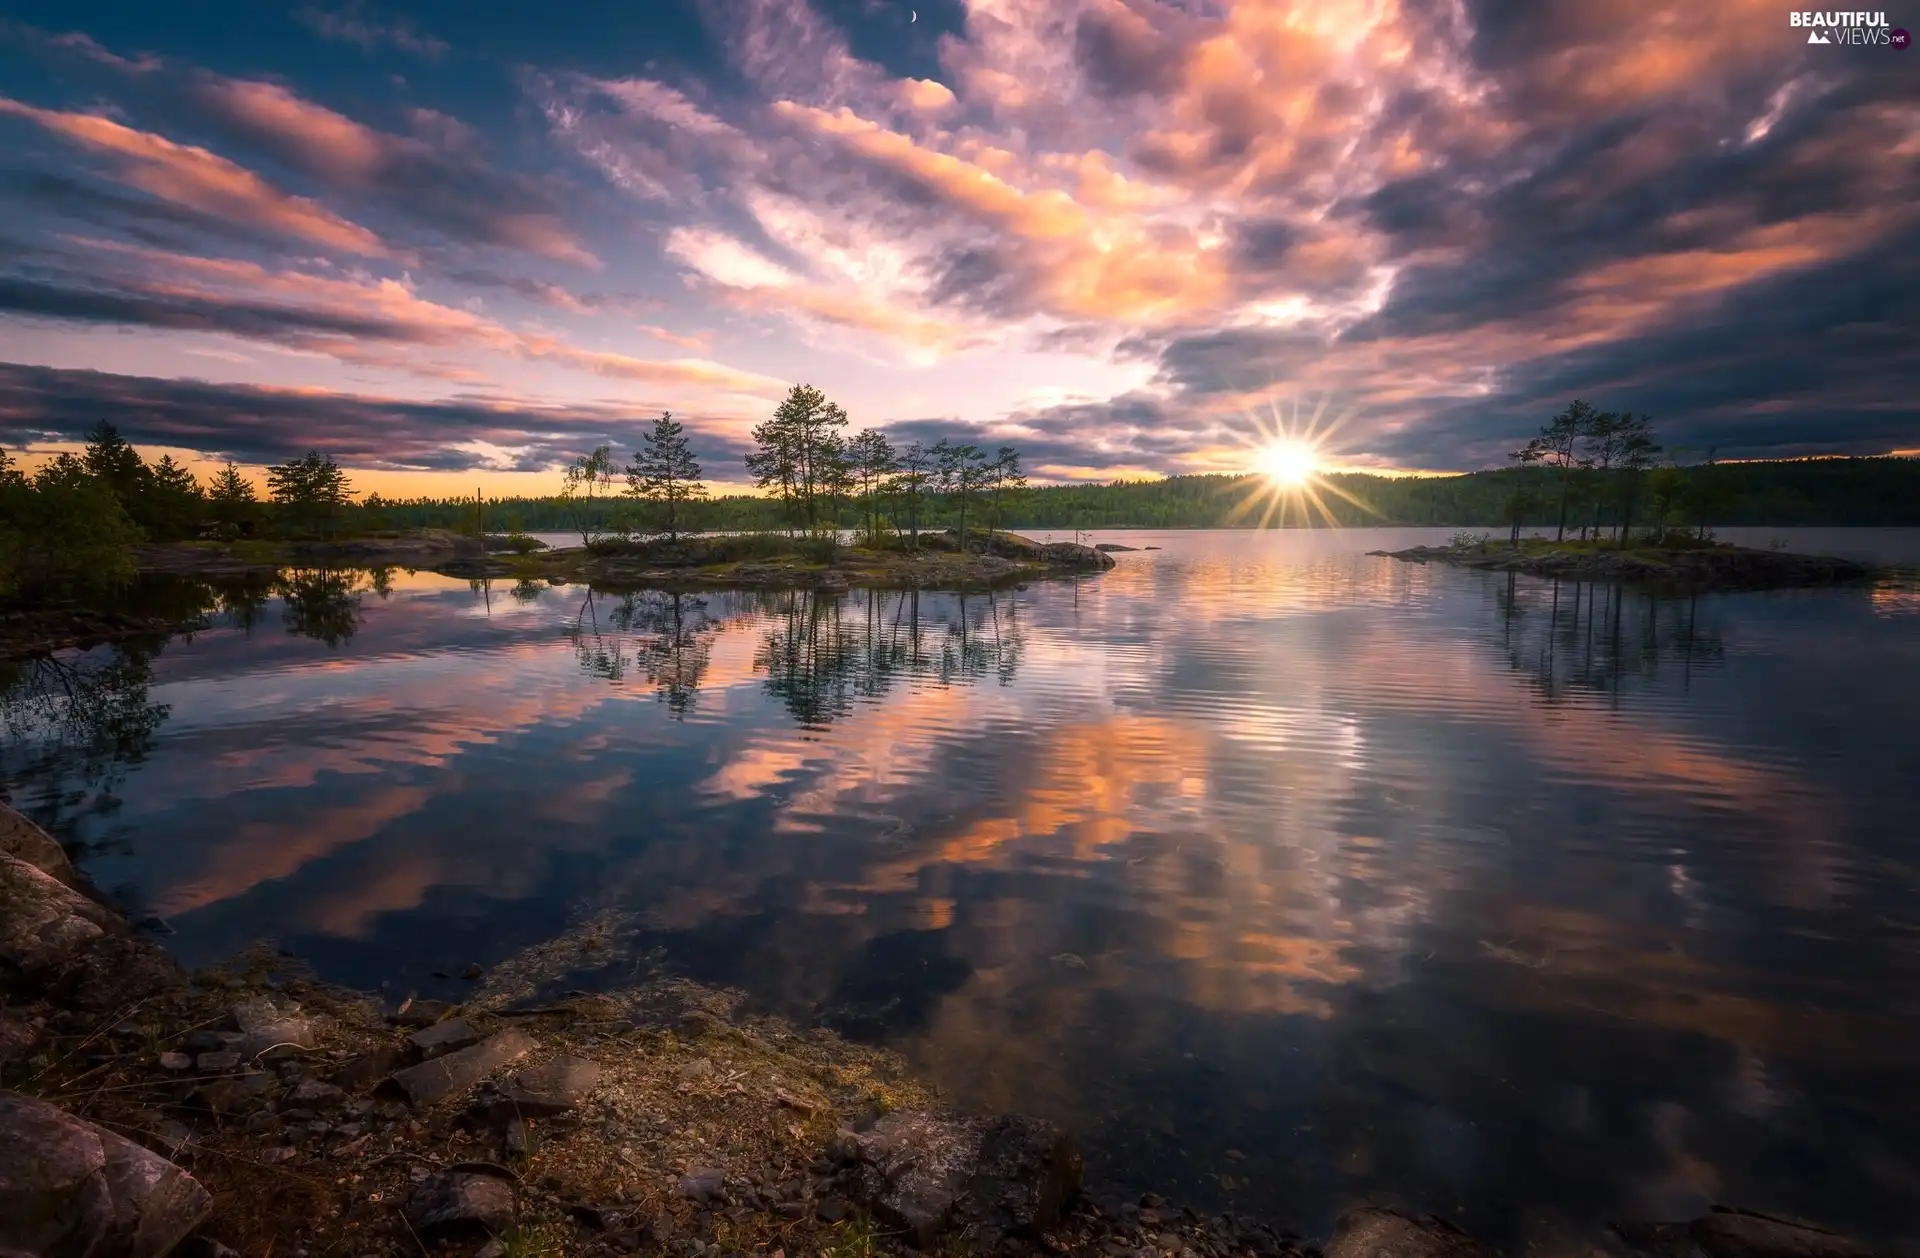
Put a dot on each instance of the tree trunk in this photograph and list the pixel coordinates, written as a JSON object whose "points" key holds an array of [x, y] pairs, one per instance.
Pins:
{"points": [[1566, 488]]}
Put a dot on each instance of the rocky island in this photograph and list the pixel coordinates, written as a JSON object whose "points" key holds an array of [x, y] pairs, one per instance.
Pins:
{"points": [[1702, 566], [251, 1109]]}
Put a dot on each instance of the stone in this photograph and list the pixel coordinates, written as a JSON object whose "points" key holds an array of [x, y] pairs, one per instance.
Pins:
{"points": [[923, 1172], [116, 970], [1729, 1233], [1372, 1232], [271, 1033], [698, 1068], [217, 1063], [832, 1210], [456, 1072], [551, 1088], [315, 1093], [361, 1073], [704, 1183], [473, 972], [44, 923], [175, 1062], [25, 841], [444, 1037], [1028, 1169], [495, 1248], [18, 1036], [67, 1186], [450, 1203], [278, 1154]]}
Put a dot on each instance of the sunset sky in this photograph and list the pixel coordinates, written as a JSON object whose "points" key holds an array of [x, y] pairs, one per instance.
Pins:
{"points": [[456, 244]]}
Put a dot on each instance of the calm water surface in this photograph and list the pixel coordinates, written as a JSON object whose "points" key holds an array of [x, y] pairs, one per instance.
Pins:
{"points": [[1285, 875]]}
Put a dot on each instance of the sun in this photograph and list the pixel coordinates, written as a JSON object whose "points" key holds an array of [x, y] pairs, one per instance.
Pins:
{"points": [[1287, 462]]}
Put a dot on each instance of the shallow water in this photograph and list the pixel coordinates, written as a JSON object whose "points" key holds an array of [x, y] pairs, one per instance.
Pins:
{"points": [[1285, 875]]}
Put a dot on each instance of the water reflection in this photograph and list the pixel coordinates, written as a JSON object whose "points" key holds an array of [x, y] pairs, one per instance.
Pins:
{"points": [[1285, 874]]}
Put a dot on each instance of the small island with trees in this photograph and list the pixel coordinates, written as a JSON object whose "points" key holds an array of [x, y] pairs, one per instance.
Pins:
{"points": [[1605, 465]]}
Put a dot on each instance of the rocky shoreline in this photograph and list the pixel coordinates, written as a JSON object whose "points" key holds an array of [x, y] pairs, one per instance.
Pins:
{"points": [[251, 1109], [1687, 569]]}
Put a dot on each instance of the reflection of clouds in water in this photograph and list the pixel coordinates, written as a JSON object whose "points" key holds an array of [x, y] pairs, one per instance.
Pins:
{"points": [[1383, 875]]}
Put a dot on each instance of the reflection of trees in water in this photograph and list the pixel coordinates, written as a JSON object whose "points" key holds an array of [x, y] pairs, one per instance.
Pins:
{"points": [[71, 725], [821, 650], [324, 603], [824, 650], [666, 636], [1593, 636]]}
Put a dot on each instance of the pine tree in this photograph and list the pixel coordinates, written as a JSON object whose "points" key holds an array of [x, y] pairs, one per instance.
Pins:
{"points": [[873, 461], [312, 489], [801, 456], [173, 504], [664, 470], [232, 501]]}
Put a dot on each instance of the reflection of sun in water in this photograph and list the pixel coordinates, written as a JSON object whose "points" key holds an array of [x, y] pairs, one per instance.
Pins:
{"points": [[1289, 481], [1287, 461]]}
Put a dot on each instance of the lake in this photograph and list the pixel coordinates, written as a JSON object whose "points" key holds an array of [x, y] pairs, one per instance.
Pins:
{"points": [[1285, 876]]}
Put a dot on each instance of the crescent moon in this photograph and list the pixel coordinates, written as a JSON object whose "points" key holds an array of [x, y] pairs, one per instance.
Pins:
{"points": [[913, 15]]}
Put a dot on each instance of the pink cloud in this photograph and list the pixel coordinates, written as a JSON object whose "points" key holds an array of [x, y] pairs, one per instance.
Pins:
{"points": [[199, 180]]}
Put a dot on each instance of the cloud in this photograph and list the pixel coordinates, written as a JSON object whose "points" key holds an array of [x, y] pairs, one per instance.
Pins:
{"points": [[364, 319], [257, 425], [358, 23], [438, 177], [200, 180]]}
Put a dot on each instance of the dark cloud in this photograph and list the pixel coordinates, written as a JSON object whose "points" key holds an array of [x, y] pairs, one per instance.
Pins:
{"points": [[1122, 54], [1821, 361], [254, 425], [188, 312], [1237, 360]]}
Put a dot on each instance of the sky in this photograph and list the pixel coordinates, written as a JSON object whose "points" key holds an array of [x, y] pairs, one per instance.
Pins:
{"points": [[456, 245]]}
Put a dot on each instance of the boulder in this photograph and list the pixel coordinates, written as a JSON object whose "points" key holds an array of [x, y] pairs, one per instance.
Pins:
{"points": [[1074, 555], [1113, 548], [69, 1187], [1372, 1232], [23, 840], [451, 1203], [928, 1172], [456, 1072], [551, 1088], [57, 943], [44, 923], [1728, 1233]]}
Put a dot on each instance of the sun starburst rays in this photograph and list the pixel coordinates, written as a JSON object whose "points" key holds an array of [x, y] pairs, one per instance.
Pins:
{"points": [[1288, 454]]}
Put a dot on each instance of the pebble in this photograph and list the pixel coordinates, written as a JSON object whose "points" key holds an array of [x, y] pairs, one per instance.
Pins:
{"points": [[698, 1068], [218, 1062], [175, 1061], [473, 972]]}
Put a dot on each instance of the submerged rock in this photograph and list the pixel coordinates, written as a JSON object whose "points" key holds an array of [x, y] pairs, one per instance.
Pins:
{"points": [[69, 1187], [1113, 548], [1728, 1233], [927, 1172], [1372, 1232]]}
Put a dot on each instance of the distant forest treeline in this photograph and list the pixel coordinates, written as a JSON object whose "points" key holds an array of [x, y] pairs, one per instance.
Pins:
{"points": [[1806, 493]]}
